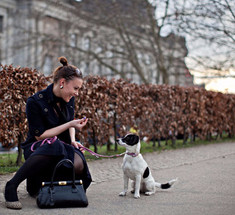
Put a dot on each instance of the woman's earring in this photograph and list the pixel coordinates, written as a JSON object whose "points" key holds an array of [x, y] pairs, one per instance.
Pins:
{"points": [[61, 87]]}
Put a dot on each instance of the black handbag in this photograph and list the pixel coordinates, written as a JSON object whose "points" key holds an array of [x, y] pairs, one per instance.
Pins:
{"points": [[60, 194]]}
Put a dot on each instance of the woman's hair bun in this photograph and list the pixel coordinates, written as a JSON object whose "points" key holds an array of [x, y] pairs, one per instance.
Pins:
{"points": [[63, 61]]}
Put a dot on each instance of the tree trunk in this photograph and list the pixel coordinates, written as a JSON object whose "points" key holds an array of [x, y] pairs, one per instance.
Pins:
{"points": [[185, 137], [19, 156], [154, 142], [115, 131], [159, 142], [173, 139], [108, 146], [94, 140]]}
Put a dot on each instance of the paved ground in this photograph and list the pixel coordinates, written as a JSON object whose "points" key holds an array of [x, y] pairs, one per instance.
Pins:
{"points": [[206, 186]]}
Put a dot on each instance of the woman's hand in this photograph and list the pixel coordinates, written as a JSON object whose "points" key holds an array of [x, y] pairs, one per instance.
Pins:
{"points": [[79, 123], [78, 146]]}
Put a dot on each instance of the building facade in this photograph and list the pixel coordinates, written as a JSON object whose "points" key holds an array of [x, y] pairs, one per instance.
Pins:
{"points": [[34, 33]]}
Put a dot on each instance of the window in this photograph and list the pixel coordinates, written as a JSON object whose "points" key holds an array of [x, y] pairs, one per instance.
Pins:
{"points": [[1, 24], [147, 60], [87, 69], [87, 43], [73, 40], [47, 67]]}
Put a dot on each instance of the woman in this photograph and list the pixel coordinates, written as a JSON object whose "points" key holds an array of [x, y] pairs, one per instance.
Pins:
{"points": [[50, 113]]}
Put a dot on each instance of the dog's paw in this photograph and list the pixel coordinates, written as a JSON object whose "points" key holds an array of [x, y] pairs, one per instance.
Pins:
{"points": [[149, 193], [137, 196], [122, 193]]}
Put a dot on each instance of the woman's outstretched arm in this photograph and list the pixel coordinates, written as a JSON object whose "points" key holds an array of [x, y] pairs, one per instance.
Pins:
{"points": [[76, 124]]}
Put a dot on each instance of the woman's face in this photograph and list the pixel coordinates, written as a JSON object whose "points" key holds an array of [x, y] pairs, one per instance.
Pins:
{"points": [[71, 88]]}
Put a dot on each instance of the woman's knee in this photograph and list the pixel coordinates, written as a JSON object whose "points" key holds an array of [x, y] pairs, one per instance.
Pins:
{"points": [[78, 164]]}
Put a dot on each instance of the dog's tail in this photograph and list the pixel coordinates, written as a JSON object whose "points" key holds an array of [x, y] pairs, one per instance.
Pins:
{"points": [[167, 185]]}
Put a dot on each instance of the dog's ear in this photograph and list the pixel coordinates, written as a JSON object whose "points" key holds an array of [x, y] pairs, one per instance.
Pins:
{"points": [[135, 139], [131, 139]]}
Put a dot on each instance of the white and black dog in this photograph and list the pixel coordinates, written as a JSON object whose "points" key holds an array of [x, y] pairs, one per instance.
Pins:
{"points": [[135, 168]]}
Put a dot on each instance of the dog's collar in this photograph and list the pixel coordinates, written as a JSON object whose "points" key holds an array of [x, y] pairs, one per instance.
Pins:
{"points": [[132, 154]]}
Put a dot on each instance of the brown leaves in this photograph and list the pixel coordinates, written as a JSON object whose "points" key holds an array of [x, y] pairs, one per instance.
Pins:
{"points": [[16, 85], [153, 110]]}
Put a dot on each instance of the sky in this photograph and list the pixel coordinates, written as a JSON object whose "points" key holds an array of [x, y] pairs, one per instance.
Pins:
{"points": [[198, 47], [224, 85]]}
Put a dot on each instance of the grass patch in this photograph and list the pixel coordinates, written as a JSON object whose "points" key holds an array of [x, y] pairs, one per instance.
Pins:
{"points": [[8, 163]]}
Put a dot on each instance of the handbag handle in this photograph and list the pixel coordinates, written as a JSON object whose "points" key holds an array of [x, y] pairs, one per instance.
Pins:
{"points": [[58, 165]]}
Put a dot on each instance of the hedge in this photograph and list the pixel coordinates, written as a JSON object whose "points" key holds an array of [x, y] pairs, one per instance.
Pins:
{"points": [[114, 106]]}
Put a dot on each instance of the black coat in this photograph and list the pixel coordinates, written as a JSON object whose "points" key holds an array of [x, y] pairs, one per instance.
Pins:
{"points": [[41, 115]]}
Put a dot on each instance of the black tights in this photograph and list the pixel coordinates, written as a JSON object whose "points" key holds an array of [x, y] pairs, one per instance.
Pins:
{"points": [[34, 166], [78, 164]]}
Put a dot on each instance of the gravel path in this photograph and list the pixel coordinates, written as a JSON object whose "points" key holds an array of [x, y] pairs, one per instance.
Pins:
{"points": [[206, 185]]}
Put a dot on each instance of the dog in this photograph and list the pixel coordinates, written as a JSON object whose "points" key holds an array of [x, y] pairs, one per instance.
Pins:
{"points": [[135, 168]]}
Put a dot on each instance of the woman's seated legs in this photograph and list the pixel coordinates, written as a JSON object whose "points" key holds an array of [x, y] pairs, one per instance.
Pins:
{"points": [[78, 164], [33, 166]]}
